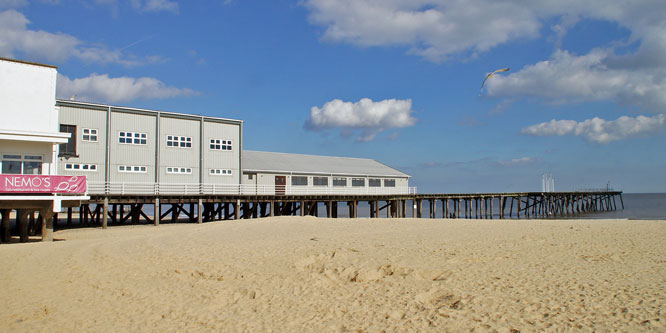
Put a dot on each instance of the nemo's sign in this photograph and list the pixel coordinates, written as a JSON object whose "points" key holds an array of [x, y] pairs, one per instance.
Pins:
{"points": [[43, 184]]}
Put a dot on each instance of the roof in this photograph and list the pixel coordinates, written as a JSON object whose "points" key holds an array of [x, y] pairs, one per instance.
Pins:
{"points": [[259, 161], [81, 104], [27, 62]]}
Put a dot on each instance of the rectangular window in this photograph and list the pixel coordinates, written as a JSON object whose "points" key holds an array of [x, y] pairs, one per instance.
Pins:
{"points": [[358, 182], [81, 167], [339, 181], [374, 182], [389, 182], [299, 180], [132, 168], [179, 141], [18, 164], [69, 148], [179, 170], [219, 144], [11, 164], [320, 181], [89, 135], [132, 138], [220, 172]]}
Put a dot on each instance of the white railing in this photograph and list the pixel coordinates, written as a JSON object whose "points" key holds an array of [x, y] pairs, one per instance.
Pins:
{"points": [[195, 188]]}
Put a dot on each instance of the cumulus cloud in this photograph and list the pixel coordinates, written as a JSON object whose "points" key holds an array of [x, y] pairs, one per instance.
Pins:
{"points": [[599, 130], [102, 88], [365, 115], [432, 29], [16, 39]]}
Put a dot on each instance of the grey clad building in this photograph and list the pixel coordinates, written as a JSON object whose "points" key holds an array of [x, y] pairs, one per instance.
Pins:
{"points": [[130, 150]]}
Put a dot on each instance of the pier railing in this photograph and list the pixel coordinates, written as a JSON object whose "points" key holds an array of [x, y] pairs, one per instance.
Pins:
{"points": [[245, 189]]}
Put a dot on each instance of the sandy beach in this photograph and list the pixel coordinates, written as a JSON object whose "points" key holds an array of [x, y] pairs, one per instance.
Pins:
{"points": [[293, 274]]}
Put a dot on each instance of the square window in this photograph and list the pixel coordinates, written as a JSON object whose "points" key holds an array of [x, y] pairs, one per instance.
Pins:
{"points": [[93, 167]]}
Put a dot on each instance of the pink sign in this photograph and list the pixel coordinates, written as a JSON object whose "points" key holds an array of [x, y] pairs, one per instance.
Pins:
{"points": [[43, 184]]}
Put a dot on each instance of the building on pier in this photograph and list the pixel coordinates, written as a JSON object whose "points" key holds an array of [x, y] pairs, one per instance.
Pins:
{"points": [[137, 151], [283, 173], [29, 142]]}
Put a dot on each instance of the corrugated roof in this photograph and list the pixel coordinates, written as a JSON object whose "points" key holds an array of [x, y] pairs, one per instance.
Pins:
{"points": [[315, 164]]}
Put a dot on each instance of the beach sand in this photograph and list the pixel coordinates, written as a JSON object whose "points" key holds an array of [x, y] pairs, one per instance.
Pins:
{"points": [[306, 274]]}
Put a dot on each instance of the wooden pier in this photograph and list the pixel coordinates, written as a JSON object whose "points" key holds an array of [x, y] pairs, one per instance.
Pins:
{"points": [[103, 210]]}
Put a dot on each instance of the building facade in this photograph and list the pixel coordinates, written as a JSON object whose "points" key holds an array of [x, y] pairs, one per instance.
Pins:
{"points": [[130, 150], [282, 173]]}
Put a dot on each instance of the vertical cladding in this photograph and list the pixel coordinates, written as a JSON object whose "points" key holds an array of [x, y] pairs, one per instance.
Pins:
{"points": [[222, 158], [178, 153], [91, 151], [124, 154]]}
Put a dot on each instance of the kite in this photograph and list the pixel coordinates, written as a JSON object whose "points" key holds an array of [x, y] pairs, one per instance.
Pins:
{"points": [[490, 75]]}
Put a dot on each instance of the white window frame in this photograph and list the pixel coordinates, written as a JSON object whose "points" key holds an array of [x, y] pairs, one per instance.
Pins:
{"points": [[90, 133], [220, 172], [81, 167], [221, 144], [390, 181], [338, 179], [135, 138], [132, 169], [179, 170], [177, 141]]}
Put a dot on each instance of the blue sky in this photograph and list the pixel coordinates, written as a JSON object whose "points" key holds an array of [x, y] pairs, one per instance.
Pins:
{"points": [[396, 81]]}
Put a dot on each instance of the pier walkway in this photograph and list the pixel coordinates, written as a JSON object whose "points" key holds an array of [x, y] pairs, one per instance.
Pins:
{"points": [[120, 209]]}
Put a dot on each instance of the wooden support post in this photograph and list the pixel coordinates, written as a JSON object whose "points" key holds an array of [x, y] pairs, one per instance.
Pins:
{"points": [[199, 211], [5, 233], [445, 207], [518, 207], [47, 223], [158, 211], [419, 208], [105, 213], [433, 215], [22, 223]]}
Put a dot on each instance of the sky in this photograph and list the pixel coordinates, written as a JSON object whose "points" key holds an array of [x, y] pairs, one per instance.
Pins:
{"points": [[391, 80]]}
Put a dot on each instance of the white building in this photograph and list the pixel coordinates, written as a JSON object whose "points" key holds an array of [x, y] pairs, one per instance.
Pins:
{"points": [[283, 173], [29, 138]]}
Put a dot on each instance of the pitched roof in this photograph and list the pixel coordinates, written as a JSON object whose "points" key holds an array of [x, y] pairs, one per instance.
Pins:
{"points": [[316, 164]]}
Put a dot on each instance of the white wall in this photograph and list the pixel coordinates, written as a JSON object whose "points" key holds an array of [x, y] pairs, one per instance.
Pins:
{"points": [[27, 97]]}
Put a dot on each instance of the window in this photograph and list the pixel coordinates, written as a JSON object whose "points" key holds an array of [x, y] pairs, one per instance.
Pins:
{"points": [[374, 182], [389, 182], [339, 181], [218, 144], [358, 182], [179, 170], [220, 172], [81, 167], [320, 181], [69, 148], [179, 141], [132, 168], [299, 180], [132, 138], [89, 134], [18, 164]]}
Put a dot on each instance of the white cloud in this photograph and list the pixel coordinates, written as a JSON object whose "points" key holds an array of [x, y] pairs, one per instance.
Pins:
{"points": [[599, 130], [432, 29], [102, 88], [155, 5], [365, 115], [17, 40], [12, 3], [519, 161]]}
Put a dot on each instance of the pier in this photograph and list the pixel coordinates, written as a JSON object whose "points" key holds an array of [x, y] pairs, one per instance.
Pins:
{"points": [[103, 210]]}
